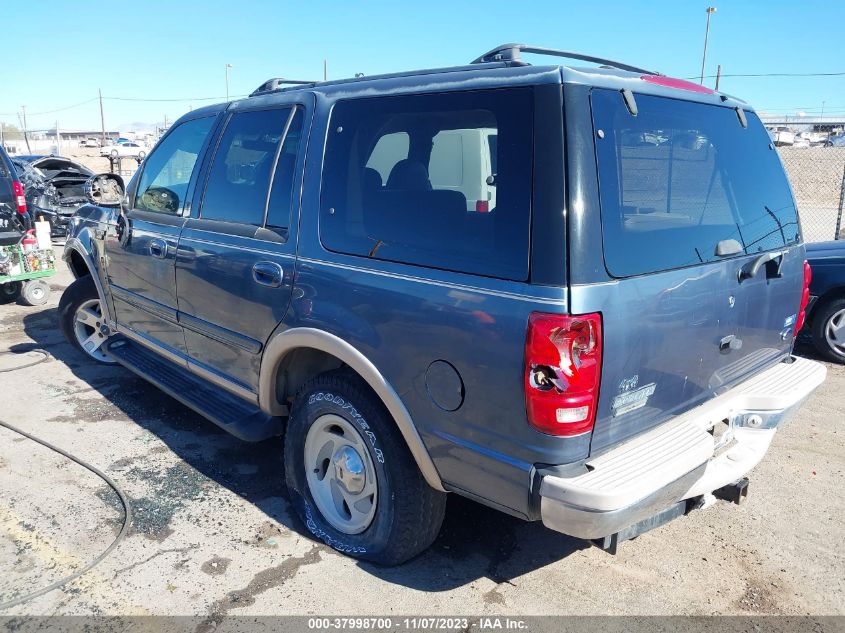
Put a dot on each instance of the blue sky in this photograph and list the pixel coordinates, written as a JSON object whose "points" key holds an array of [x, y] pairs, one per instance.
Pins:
{"points": [[167, 49]]}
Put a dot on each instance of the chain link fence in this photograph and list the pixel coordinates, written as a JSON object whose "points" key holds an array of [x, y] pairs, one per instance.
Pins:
{"points": [[817, 175]]}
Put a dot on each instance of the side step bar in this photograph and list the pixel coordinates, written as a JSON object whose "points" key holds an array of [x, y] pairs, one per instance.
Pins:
{"points": [[242, 419]]}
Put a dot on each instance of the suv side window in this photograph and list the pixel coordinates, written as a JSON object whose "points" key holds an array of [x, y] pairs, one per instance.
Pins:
{"points": [[239, 178], [164, 180], [419, 179]]}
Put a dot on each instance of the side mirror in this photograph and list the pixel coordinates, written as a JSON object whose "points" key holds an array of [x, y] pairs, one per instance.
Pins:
{"points": [[105, 190]]}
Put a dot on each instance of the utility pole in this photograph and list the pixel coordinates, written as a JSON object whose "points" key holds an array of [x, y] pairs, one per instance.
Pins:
{"points": [[718, 76], [710, 11], [228, 66], [102, 118], [25, 134], [325, 70]]}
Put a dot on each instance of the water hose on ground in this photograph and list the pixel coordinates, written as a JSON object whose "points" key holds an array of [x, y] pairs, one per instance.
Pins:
{"points": [[127, 518]]}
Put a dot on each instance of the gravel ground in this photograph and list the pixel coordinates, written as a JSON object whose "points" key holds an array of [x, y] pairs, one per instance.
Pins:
{"points": [[212, 533]]}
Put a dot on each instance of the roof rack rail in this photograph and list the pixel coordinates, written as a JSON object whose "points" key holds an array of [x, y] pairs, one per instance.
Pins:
{"points": [[512, 53], [276, 83]]}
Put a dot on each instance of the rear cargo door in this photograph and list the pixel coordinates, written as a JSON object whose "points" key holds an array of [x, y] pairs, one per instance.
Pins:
{"points": [[691, 196]]}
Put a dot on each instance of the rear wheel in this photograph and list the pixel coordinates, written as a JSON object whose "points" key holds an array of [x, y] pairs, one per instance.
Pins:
{"points": [[829, 330], [81, 319], [351, 477], [35, 293], [9, 292]]}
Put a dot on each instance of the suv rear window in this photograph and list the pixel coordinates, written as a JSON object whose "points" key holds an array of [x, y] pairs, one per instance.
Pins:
{"points": [[679, 177], [416, 179]]}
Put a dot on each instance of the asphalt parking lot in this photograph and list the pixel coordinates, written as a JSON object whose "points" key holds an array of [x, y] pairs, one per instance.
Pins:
{"points": [[212, 534]]}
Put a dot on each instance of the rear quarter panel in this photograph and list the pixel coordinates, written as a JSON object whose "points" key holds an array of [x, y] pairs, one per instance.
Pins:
{"points": [[404, 318]]}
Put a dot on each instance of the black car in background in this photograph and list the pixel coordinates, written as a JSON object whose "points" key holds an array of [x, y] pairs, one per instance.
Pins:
{"points": [[54, 188], [14, 218], [826, 314]]}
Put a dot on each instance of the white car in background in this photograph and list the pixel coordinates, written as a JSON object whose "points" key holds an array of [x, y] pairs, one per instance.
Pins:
{"points": [[125, 150]]}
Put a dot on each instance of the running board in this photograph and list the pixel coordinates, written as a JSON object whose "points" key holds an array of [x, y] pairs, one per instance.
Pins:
{"points": [[242, 419]]}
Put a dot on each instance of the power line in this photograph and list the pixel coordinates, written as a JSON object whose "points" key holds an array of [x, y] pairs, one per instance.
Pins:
{"points": [[221, 98], [70, 107], [837, 74], [174, 100]]}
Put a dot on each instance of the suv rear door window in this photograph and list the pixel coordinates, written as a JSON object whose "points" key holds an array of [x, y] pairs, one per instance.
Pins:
{"points": [[416, 179], [243, 163], [680, 177]]}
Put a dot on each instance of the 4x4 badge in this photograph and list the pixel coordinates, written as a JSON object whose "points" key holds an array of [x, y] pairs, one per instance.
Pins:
{"points": [[632, 400]]}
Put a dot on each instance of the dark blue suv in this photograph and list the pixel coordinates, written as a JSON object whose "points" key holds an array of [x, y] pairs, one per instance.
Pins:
{"points": [[567, 293]]}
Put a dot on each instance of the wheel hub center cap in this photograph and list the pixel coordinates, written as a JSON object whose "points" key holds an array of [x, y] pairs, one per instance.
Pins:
{"points": [[349, 469]]}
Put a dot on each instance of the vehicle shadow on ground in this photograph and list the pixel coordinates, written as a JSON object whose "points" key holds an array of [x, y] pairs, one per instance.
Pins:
{"points": [[475, 541]]}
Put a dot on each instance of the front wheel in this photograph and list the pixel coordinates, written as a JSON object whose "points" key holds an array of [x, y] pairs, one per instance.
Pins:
{"points": [[829, 330], [81, 319], [352, 480]]}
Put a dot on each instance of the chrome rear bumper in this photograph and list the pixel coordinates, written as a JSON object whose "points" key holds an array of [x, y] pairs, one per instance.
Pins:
{"points": [[679, 459]]}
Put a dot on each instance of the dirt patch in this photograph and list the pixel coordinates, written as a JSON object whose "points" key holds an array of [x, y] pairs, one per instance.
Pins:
{"points": [[269, 534], [171, 490], [216, 566], [261, 582], [759, 597], [493, 597]]}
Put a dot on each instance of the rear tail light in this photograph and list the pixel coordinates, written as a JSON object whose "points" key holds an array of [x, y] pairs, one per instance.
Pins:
{"points": [[805, 298], [20, 198], [562, 372], [482, 206]]}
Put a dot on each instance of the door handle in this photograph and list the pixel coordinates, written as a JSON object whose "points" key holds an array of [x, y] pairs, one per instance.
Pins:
{"points": [[772, 261], [268, 274], [158, 249]]}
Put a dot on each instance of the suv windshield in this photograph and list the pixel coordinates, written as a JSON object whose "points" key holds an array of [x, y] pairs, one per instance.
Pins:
{"points": [[680, 177]]}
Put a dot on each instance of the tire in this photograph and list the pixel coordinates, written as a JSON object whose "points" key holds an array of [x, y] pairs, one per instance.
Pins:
{"points": [[828, 330], [405, 513], [9, 292], [80, 317], [35, 293]]}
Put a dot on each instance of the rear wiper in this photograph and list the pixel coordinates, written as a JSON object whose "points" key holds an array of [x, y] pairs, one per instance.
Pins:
{"points": [[375, 248], [777, 221]]}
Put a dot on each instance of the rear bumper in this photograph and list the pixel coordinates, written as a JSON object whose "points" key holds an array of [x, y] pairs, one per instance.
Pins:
{"points": [[680, 459]]}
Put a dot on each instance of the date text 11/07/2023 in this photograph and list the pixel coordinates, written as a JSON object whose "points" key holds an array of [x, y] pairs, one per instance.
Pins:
{"points": [[416, 624]]}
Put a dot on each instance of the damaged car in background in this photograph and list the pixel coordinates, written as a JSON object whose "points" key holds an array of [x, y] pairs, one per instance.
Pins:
{"points": [[54, 188]]}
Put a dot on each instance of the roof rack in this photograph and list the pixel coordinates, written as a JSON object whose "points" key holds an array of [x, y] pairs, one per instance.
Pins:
{"points": [[276, 83], [512, 53]]}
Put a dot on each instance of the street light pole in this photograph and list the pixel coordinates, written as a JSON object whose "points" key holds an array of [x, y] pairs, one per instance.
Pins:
{"points": [[710, 11], [228, 66]]}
